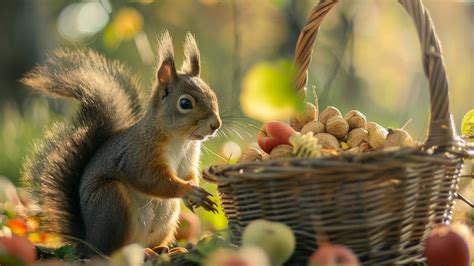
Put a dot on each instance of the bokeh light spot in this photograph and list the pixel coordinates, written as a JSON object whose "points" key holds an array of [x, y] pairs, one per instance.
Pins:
{"points": [[81, 20]]}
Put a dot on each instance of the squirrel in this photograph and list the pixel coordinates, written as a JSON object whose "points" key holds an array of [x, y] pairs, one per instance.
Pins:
{"points": [[115, 174]]}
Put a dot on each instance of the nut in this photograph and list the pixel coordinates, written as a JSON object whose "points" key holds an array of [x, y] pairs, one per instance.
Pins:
{"points": [[313, 126], [377, 135], [337, 126], [310, 113], [327, 141], [281, 151], [357, 136], [370, 125], [265, 156], [250, 155], [356, 119], [398, 138], [329, 112]]}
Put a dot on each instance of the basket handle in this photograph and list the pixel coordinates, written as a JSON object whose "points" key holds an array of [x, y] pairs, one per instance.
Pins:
{"points": [[441, 129]]}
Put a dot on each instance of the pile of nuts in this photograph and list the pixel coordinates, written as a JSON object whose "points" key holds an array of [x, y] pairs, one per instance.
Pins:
{"points": [[334, 134]]}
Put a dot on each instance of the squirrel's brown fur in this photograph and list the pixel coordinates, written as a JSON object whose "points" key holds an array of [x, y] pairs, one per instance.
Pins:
{"points": [[92, 175]]}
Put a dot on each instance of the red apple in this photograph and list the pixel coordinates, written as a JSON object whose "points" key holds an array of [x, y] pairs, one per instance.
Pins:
{"points": [[272, 134], [448, 245], [19, 247], [329, 254]]}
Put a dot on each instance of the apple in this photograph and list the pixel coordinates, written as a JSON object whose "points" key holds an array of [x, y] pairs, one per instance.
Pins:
{"points": [[329, 254], [188, 228], [272, 134], [132, 254], [245, 256], [276, 239], [448, 245], [19, 247]]}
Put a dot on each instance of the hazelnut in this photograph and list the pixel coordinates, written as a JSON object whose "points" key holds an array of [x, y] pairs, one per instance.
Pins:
{"points": [[310, 113], [250, 155], [398, 138], [356, 119], [370, 125], [377, 135], [356, 136], [281, 151], [337, 126], [329, 112], [313, 126], [327, 141]]}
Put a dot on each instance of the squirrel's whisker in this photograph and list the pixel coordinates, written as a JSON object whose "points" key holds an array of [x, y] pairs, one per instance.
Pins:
{"points": [[214, 153]]}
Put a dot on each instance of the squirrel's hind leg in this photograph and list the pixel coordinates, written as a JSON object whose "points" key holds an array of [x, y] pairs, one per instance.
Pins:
{"points": [[106, 216]]}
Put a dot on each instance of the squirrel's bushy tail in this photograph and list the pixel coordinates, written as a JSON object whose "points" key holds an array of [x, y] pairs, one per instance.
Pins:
{"points": [[110, 99]]}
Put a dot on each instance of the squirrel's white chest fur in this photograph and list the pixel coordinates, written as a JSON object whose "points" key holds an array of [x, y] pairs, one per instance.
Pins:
{"points": [[177, 152], [183, 156]]}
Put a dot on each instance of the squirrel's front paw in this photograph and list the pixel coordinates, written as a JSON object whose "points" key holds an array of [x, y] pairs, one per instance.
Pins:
{"points": [[199, 197]]}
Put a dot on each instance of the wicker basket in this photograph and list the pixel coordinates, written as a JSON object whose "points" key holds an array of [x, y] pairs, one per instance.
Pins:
{"points": [[380, 204]]}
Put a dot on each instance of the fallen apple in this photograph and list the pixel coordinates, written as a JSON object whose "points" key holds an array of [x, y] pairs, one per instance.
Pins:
{"points": [[272, 134], [448, 245], [329, 254], [245, 256], [19, 247], [276, 239]]}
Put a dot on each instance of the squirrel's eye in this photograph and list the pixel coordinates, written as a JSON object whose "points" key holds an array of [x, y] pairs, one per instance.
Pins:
{"points": [[185, 103]]}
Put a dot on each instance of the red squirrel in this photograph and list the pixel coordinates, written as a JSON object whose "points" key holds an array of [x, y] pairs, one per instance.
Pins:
{"points": [[115, 173]]}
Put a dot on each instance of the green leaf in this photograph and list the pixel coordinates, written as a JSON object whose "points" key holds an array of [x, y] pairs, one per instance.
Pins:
{"points": [[268, 92], [67, 252], [9, 213]]}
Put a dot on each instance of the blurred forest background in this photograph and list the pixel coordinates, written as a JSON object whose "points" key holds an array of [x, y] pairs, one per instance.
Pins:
{"points": [[367, 57]]}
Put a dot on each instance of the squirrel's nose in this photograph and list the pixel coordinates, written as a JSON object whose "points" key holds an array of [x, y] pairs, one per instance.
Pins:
{"points": [[215, 124]]}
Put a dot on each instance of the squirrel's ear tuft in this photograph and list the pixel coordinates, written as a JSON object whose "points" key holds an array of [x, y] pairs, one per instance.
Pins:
{"points": [[166, 67], [192, 61]]}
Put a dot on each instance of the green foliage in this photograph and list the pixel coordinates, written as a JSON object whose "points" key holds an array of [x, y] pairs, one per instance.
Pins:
{"points": [[19, 130]]}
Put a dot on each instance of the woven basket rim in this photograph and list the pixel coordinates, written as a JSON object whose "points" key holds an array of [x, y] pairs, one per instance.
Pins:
{"points": [[370, 161]]}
